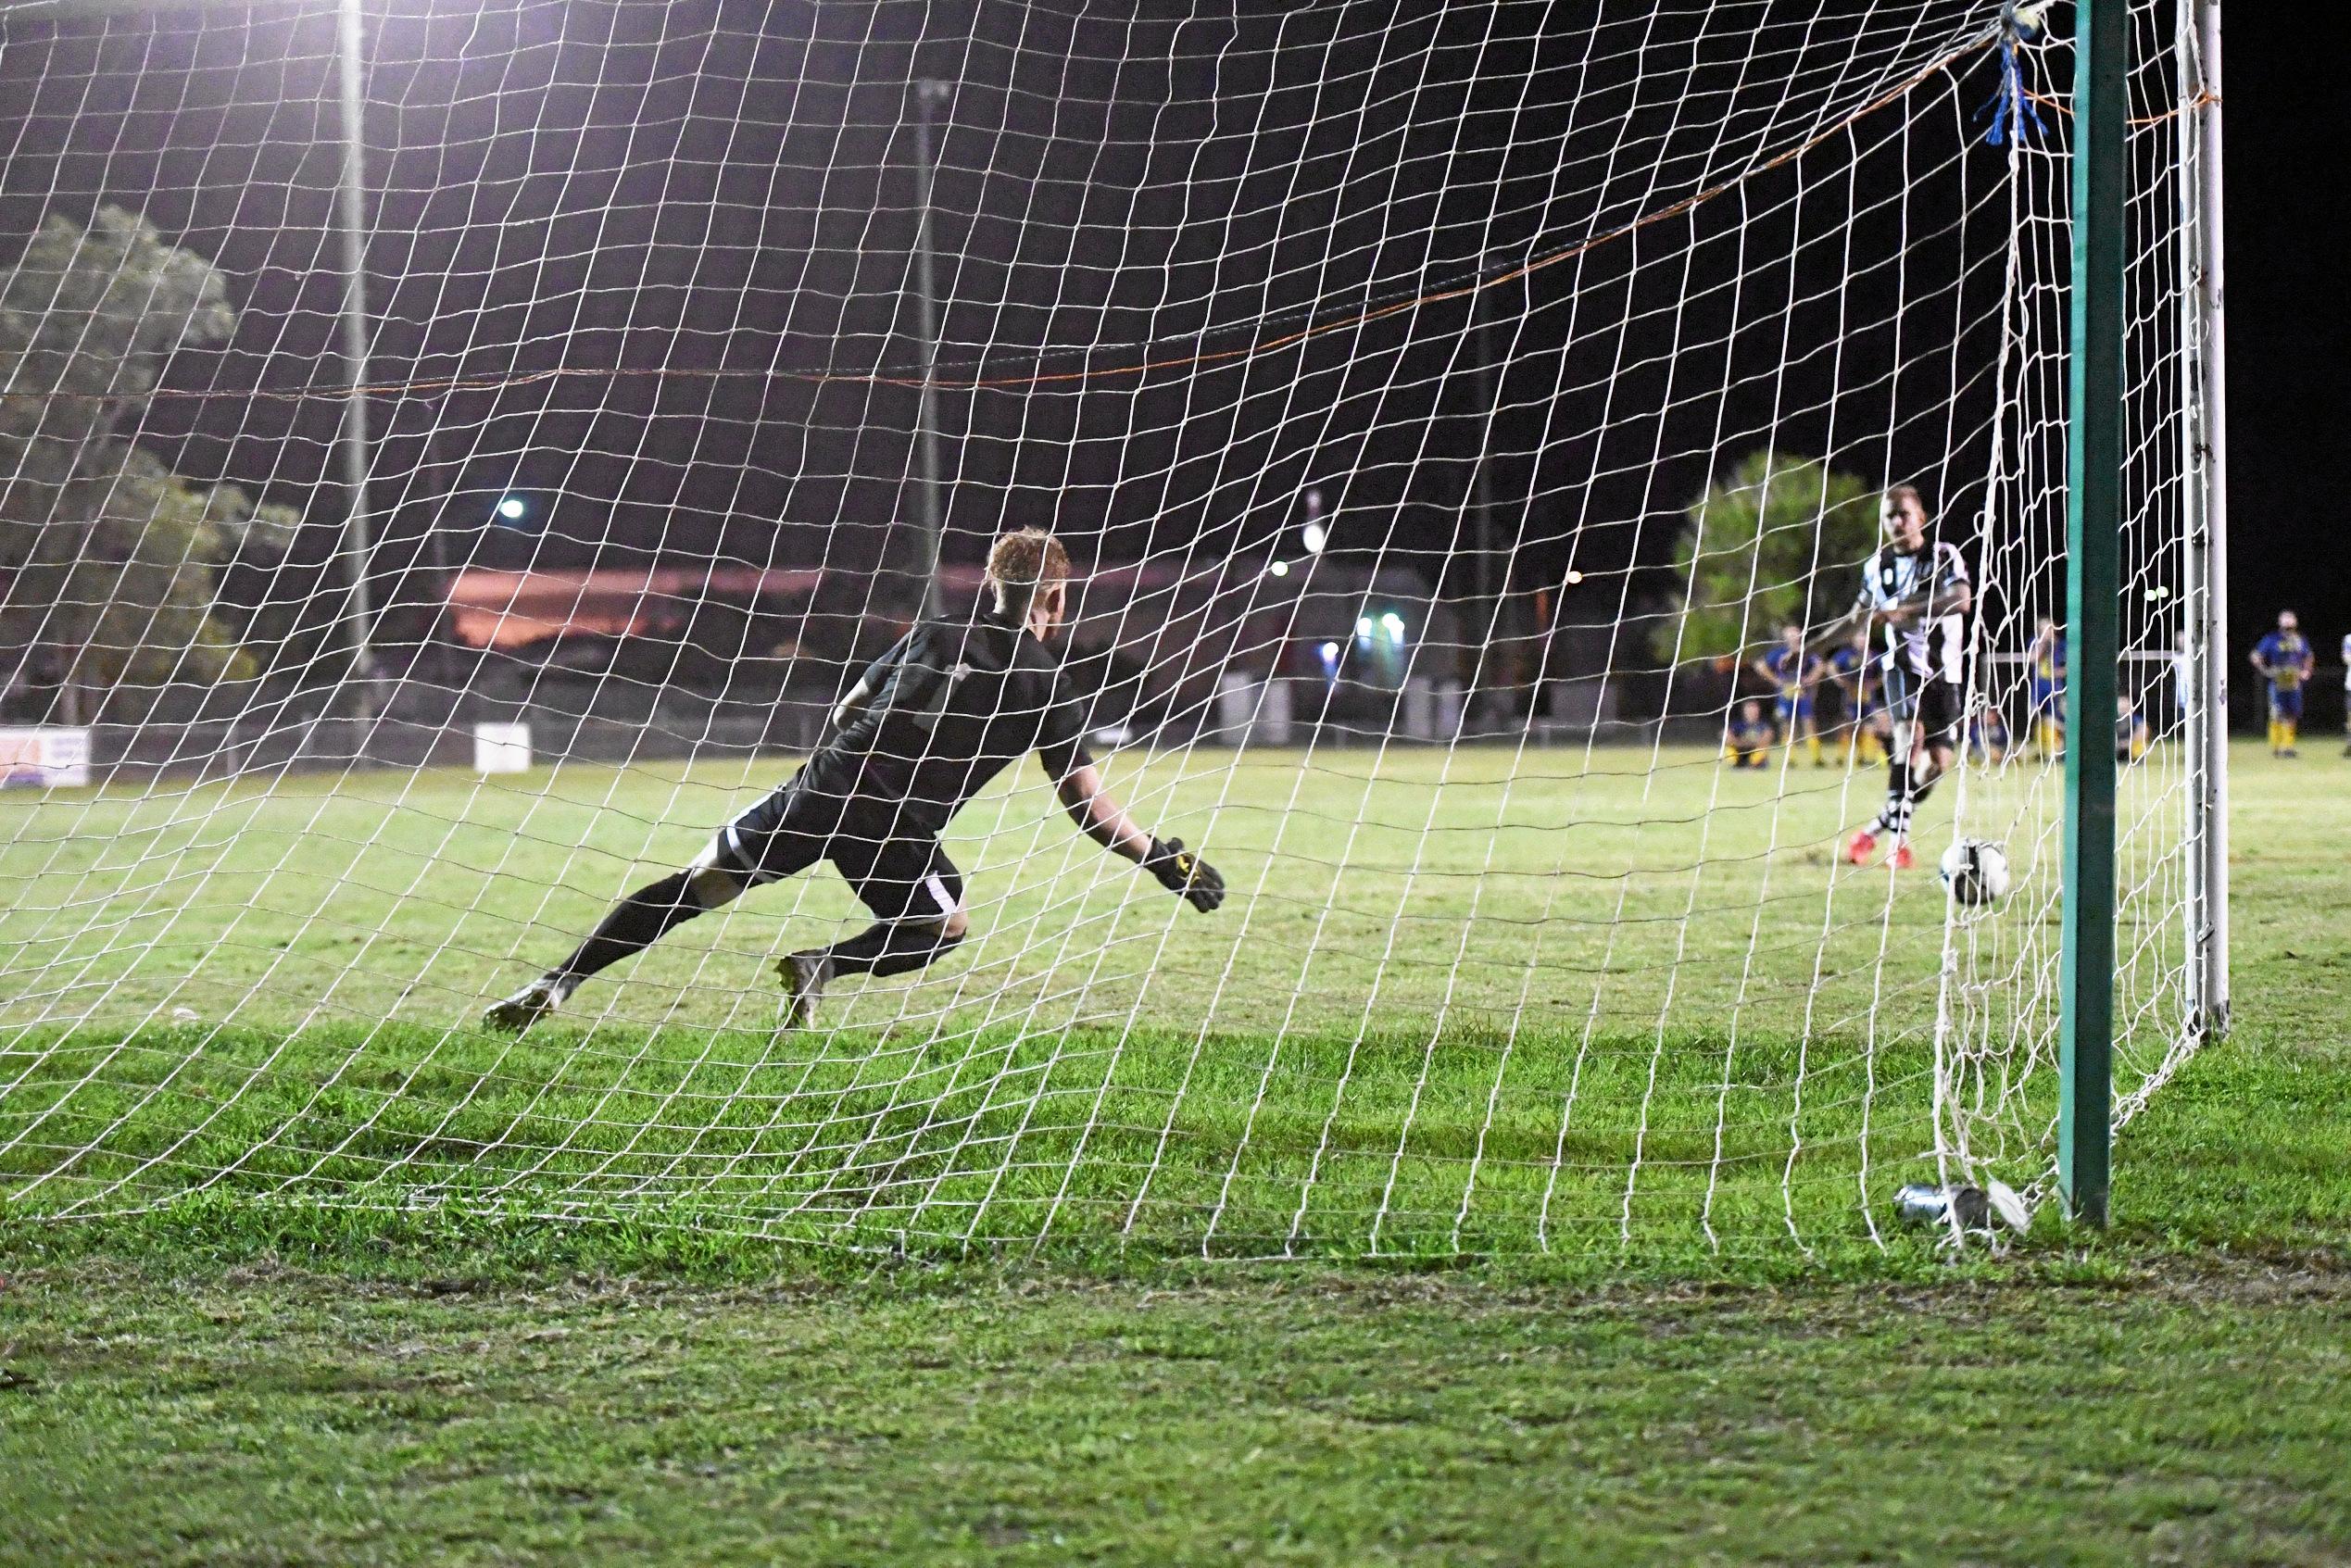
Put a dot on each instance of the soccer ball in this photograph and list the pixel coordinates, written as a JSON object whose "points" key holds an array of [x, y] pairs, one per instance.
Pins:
{"points": [[1974, 871]]}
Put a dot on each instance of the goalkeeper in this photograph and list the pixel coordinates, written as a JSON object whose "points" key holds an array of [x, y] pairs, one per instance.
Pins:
{"points": [[920, 734]]}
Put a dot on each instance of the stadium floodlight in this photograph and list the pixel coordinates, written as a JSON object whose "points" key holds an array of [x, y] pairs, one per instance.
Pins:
{"points": [[1463, 998]]}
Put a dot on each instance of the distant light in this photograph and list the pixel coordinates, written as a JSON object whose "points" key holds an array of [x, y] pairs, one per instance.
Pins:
{"points": [[1363, 626], [1395, 625], [1330, 653], [1313, 499], [1315, 536], [1279, 569], [1574, 577], [512, 507], [2155, 593]]}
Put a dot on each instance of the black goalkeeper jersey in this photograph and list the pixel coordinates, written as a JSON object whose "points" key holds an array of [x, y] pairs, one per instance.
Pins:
{"points": [[949, 706]]}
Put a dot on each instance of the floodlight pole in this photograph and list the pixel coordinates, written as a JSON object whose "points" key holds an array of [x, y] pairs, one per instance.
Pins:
{"points": [[2093, 519], [351, 216], [926, 426], [2205, 401], [1488, 602]]}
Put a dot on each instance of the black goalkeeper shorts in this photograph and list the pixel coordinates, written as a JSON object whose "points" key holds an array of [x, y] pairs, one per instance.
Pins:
{"points": [[1935, 705], [899, 871]]}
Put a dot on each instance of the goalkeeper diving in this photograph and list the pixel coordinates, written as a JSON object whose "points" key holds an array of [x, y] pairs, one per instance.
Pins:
{"points": [[920, 734]]}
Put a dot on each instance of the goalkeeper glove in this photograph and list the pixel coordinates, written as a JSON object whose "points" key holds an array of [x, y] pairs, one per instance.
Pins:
{"points": [[1185, 874]]}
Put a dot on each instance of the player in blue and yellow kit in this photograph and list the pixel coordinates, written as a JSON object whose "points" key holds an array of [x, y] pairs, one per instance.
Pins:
{"points": [[1746, 742], [1988, 735], [1793, 670], [2286, 661], [2130, 734], [2045, 709], [1859, 728]]}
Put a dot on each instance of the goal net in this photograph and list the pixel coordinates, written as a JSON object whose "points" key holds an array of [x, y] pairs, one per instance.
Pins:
{"points": [[452, 460]]}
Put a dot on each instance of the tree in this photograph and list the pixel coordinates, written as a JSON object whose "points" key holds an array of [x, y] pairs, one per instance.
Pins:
{"points": [[110, 558], [1782, 539]]}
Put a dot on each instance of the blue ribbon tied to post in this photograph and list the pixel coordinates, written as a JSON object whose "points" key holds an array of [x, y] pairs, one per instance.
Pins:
{"points": [[2010, 111]]}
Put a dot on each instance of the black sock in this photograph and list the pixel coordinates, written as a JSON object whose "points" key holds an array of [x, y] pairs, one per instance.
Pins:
{"points": [[1895, 815], [890, 947], [635, 924]]}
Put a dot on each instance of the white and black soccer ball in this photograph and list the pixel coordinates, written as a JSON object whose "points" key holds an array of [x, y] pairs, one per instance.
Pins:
{"points": [[1974, 871]]}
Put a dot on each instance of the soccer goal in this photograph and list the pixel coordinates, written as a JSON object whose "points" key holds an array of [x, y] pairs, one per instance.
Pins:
{"points": [[1569, 517]]}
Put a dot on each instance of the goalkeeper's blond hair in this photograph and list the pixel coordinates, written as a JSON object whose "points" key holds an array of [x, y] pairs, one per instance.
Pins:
{"points": [[1019, 562]]}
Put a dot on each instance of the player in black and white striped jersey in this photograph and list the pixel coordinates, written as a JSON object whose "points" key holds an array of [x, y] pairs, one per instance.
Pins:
{"points": [[1913, 602]]}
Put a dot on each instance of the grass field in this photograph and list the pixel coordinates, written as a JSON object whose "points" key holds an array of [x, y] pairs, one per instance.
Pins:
{"points": [[225, 1380], [1468, 1001]]}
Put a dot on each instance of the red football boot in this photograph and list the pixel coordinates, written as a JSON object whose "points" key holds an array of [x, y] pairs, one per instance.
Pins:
{"points": [[1858, 849], [1902, 858]]}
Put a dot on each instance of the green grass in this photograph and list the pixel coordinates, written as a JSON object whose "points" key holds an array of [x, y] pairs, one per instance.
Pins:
{"points": [[1460, 1003], [224, 1380], [272, 1417]]}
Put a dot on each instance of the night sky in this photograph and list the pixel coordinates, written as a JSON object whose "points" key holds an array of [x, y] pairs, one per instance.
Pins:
{"points": [[709, 208], [2290, 416]]}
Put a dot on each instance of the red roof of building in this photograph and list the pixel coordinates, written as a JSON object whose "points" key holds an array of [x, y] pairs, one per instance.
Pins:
{"points": [[505, 610]]}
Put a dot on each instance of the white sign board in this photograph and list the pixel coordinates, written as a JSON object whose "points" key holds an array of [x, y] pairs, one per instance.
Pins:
{"points": [[501, 749], [1272, 726], [44, 757]]}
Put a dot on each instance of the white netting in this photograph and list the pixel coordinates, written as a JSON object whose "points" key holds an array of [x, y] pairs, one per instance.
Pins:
{"points": [[1374, 369]]}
